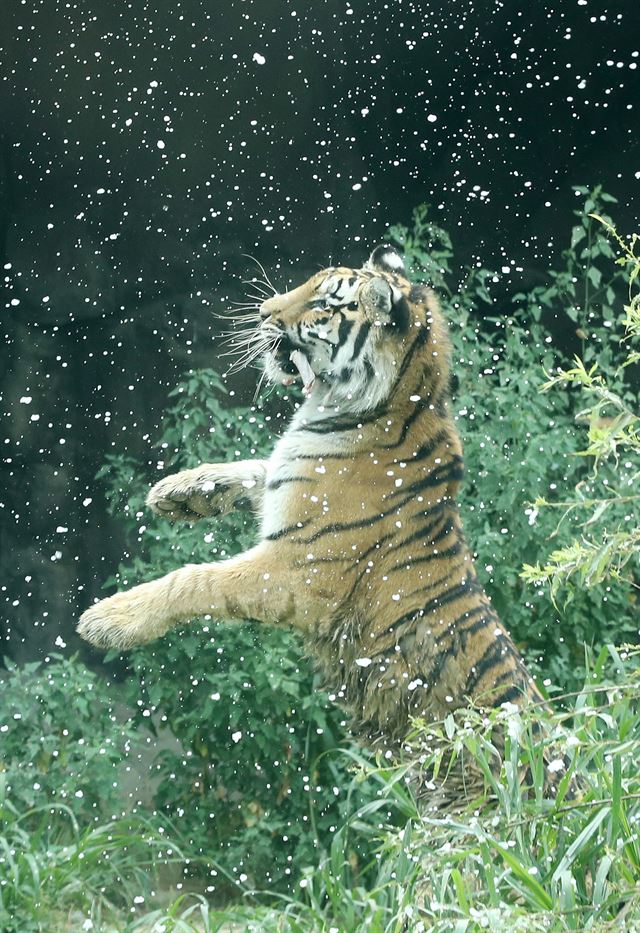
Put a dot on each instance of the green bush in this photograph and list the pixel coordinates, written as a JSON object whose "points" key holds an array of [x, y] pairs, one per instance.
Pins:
{"points": [[60, 742], [62, 850]]}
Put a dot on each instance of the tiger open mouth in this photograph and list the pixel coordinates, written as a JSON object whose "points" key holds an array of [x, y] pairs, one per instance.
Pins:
{"points": [[305, 372], [295, 364]]}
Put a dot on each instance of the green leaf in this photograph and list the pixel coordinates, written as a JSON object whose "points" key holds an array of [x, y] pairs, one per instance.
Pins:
{"points": [[594, 275]]}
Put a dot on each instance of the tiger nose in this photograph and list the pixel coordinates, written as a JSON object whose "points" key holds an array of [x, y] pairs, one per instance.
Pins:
{"points": [[270, 306]]}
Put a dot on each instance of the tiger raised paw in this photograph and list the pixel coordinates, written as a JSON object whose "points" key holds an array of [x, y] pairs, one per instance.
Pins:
{"points": [[209, 490]]}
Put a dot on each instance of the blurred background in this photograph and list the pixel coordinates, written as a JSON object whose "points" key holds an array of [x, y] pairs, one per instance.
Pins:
{"points": [[144, 152]]}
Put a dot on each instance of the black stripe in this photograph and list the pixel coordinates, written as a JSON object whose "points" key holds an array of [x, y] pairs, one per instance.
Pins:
{"points": [[462, 633], [499, 650], [412, 561], [444, 473], [347, 526], [365, 327], [277, 483], [420, 407], [421, 338], [344, 329], [453, 646], [334, 425], [465, 632], [430, 447], [466, 587], [425, 533], [288, 529], [362, 572], [508, 695], [361, 522]]}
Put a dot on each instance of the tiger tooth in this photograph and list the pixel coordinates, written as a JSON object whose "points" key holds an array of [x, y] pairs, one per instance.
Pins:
{"points": [[303, 366]]}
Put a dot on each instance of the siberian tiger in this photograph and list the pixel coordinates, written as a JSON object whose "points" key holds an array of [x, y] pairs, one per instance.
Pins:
{"points": [[360, 545]]}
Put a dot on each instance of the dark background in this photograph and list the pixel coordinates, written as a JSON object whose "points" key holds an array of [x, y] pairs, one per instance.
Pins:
{"points": [[145, 148]]}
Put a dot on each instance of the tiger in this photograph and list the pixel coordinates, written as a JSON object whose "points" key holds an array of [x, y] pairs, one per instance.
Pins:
{"points": [[360, 545]]}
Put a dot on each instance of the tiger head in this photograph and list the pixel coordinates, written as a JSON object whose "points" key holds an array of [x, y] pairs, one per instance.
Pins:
{"points": [[346, 330]]}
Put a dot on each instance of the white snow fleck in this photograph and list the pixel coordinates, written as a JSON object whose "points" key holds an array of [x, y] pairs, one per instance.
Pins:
{"points": [[363, 662], [431, 118], [59, 642], [26, 400], [258, 58], [236, 736], [248, 483], [556, 765], [160, 144]]}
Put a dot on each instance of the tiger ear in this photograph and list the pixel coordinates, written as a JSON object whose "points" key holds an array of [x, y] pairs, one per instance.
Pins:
{"points": [[385, 304], [385, 258], [377, 299]]}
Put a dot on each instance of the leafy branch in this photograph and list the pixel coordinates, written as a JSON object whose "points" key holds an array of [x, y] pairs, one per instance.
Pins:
{"points": [[613, 432]]}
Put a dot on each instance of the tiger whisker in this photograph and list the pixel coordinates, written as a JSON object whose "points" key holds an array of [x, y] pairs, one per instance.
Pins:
{"points": [[267, 280], [258, 285]]}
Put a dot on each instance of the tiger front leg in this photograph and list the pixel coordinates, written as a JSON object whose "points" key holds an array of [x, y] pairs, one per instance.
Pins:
{"points": [[209, 490], [253, 585]]}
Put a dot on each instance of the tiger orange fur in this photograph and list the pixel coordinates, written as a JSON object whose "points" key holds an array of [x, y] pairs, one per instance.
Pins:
{"points": [[360, 545]]}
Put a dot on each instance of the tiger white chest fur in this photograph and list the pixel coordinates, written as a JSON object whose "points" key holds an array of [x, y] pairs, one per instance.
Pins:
{"points": [[298, 451]]}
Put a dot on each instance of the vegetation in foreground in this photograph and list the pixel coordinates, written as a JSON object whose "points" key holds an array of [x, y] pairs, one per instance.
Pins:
{"points": [[315, 836]]}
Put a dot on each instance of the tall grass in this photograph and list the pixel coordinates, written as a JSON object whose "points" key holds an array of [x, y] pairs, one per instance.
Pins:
{"points": [[510, 858], [55, 875]]}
